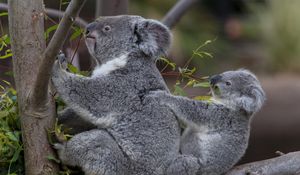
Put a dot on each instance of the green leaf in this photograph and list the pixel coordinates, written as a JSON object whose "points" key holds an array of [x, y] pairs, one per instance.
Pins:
{"points": [[6, 82], [12, 136], [7, 54], [178, 90], [49, 30], [207, 42], [4, 14], [4, 113], [202, 54], [9, 73], [73, 69], [202, 84], [5, 39], [191, 82], [1, 87], [208, 54], [65, 2], [84, 73], [168, 62], [203, 98], [165, 60], [77, 33], [16, 154]]}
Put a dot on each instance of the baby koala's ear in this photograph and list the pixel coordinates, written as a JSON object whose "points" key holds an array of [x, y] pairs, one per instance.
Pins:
{"points": [[252, 103], [152, 37]]}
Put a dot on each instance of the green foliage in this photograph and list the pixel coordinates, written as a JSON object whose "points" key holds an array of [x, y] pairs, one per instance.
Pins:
{"points": [[11, 148], [4, 44], [50, 30], [77, 32], [59, 134], [75, 70], [4, 14], [186, 76], [279, 24]]}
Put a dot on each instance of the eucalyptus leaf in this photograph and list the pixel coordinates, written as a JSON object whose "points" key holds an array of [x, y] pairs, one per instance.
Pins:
{"points": [[202, 84]]}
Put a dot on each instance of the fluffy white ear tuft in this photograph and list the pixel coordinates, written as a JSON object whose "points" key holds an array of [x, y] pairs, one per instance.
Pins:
{"points": [[152, 37]]}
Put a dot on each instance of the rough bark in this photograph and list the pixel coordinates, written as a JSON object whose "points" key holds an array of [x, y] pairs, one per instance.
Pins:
{"points": [[177, 11], [286, 164], [32, 64], [26, 26], [111, 7]]}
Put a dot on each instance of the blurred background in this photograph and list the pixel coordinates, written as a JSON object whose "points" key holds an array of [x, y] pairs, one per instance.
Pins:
{"points": [[259, 35]]}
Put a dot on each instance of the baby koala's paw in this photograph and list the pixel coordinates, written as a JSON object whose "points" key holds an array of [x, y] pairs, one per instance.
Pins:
{"points": [[62, 60]]}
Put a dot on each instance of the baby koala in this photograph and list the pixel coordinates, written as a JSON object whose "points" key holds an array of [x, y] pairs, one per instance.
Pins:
{"points": [[217, 131]]}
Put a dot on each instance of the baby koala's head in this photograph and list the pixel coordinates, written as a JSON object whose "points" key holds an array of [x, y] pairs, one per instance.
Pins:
{"points": [[239, 89], [113, 36]]}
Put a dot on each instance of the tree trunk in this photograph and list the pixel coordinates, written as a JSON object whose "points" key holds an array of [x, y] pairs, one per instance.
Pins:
{"points": [[26, 26]]}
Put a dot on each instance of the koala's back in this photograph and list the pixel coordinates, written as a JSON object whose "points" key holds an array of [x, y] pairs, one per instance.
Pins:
{"points": [[148, 136], [220, 145]]}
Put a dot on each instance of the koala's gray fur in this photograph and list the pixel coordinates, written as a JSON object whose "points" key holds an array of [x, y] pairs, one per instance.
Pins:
{"points": [[138, 132], [135, 134], [217, 131]]}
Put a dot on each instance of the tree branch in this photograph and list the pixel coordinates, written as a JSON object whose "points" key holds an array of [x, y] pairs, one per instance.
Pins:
{"points": [[55, 44], [52, 13], [286, 164], [177, 11], [58, 14]]}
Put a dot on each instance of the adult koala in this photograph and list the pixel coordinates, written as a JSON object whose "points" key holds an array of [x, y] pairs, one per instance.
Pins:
{"points": [[137, 117], [135, 135]]}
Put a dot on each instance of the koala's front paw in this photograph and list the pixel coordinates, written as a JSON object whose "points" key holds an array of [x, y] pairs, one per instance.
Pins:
{"points": [[58, 146], [62, 60]]}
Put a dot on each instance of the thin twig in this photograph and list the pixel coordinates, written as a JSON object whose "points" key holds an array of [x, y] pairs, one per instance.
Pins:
{"points": [[177, 11], [55, 44], [178, 74], [76, 49]]}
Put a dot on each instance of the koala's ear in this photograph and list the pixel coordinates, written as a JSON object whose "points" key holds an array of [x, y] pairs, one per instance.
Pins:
{"points": [[254, 102], [152, 37]]}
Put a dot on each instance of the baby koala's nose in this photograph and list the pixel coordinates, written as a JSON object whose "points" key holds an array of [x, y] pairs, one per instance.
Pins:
{"points": [[214, 79]]}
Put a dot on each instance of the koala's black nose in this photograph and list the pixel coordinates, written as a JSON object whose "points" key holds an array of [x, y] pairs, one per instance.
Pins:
{"points": [[90, 28], [214, 79]]}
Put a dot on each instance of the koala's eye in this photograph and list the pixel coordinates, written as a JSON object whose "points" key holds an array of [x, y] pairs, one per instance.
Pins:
{"points": [[106, 28], [228, 83]]}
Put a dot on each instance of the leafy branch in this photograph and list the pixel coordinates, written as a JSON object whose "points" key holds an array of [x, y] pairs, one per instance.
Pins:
{"points": [[185, 76]]}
